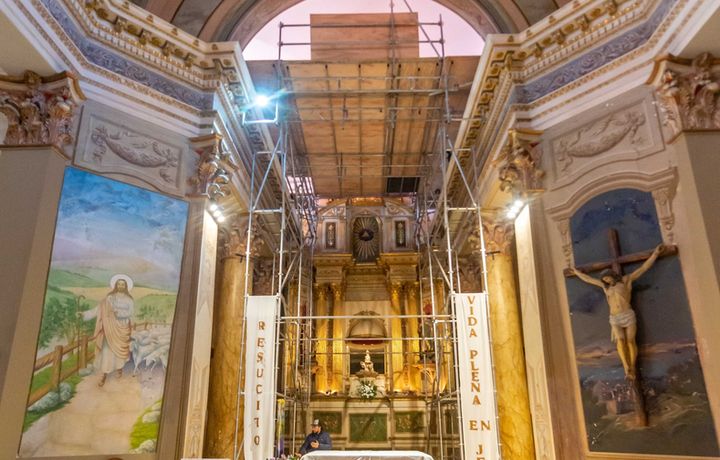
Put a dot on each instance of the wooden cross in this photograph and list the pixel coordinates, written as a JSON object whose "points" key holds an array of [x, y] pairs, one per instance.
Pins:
{"points": [[616, 262], [617, 259]]}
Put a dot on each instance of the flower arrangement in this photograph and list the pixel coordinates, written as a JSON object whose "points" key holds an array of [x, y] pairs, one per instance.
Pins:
{"points": [[367, 389]]}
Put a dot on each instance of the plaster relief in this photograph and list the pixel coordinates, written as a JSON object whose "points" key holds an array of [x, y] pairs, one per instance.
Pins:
{"points": [[135, 149], [115, 143], [615, 132]]}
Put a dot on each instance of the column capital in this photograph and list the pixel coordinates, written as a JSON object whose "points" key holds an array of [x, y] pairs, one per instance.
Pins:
{"points": [[498, 233], [688, 93], [519, 164], [321, 290], [337, 290], [40, 110], [263, 276], [233, 239], [395, 287]]}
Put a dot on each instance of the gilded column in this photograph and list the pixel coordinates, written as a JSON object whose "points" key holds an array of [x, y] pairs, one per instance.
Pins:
{"points": [[337, 363], [396, 346], [413, 348], [323, 379], [444, 344], [508, 356], [291, 336], [226, 358]]}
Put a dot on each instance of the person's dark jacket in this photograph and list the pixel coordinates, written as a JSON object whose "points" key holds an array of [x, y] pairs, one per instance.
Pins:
{"points": [[323, 438]]}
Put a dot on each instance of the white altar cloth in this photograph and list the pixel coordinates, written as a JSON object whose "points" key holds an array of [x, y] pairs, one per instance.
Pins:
{"points": [[366, 455]]}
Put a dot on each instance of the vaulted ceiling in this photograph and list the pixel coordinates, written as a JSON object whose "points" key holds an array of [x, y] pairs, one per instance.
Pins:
{"points": [[221, 20]]}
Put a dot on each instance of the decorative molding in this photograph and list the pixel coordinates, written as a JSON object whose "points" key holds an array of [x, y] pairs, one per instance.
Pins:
{"points": [[688, 93], [512, 61], [212, 176], [113, 142], [519, 164], [568, 253], [663, 197], [599, 137], [115, 62], [594, 59], [40, 110], [629, 179]]}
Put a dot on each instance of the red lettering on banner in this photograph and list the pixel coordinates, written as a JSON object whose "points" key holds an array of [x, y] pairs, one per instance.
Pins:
{"points": [[485, 425], [473, 425], [476, 401], [261, 325]]}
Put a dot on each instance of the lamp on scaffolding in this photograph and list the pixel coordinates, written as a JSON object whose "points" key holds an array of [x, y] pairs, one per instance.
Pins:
{"points": [[259, 107]]}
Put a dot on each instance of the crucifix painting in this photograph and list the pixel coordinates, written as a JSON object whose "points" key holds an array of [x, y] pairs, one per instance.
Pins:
{"points": [[641, 383]]}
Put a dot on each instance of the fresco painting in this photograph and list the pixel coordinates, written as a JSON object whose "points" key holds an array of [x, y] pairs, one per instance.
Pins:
{"points": [[102, 352], [669, 373]]}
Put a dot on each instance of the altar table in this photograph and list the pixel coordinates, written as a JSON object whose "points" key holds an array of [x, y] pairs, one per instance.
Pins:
{"points": [[366, 455]]}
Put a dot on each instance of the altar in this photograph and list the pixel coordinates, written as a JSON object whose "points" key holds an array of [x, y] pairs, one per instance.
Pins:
{"points": [[367, 455]]}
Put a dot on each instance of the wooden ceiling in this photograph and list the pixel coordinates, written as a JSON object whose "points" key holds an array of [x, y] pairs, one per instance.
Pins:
{"points": [[359, 123]]}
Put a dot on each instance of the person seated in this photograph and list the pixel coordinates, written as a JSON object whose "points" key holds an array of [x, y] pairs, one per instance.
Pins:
{"points": [[316, 440]]}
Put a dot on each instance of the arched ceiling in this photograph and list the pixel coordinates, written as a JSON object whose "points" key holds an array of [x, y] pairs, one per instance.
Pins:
{"points": [[225, 20]]}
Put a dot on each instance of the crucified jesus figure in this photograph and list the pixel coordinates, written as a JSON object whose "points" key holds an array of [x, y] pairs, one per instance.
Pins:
{"points": [[623, 324]]}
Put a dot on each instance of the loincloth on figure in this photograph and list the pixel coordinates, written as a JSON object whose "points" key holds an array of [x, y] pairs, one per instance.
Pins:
{"points": [[621, 321]]}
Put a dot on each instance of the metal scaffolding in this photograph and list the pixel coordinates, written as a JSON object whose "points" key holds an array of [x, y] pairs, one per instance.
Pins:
{"points": [[294, 220]]}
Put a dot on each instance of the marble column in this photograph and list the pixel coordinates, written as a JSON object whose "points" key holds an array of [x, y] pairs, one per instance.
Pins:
{"points": [[413, 346], [508, 356], [226, 358], [337, 359], [396, 346], [323, 379]]}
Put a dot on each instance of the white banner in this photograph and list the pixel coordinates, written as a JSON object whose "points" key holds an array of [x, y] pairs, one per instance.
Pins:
{"points": [[477, 395], [260, 316]]}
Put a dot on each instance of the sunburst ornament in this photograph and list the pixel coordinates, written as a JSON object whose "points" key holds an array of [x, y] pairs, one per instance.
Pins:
{"points": [[366, 244]]}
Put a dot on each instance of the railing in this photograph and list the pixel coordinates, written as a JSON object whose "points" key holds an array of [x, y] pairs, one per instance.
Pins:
{"points": [[60, 373]]}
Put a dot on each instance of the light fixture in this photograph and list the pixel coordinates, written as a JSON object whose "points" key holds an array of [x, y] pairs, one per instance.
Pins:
{"points": [[514, 210], [262, 100], [213, 207], [220, 219]]}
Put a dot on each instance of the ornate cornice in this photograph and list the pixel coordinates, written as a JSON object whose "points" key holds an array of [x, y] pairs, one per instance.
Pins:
{"points": [[688, 93], [40, 110], [523, 69]]}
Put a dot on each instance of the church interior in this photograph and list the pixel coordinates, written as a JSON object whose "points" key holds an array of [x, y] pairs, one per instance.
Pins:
{"points": [[436, 229]]}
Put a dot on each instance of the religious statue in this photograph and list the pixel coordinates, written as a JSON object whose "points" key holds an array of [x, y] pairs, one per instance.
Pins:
{"points": [[623, 323], [367, 365]]}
